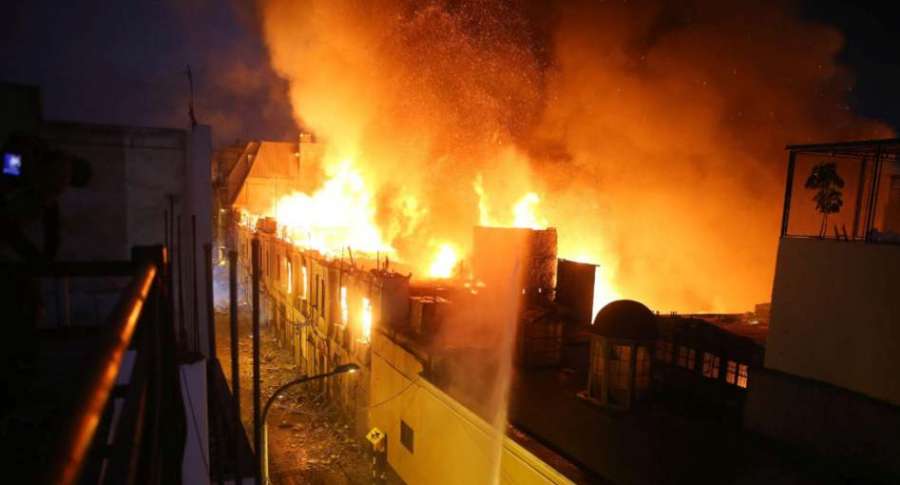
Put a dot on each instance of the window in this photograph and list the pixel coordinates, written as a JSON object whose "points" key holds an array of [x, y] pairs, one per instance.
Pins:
{"points": [[345, 310], [710, 365], [664, 351], [316, 294], [619, 374], [642, 370], [597, 360], [290, 277], [366, 321], [407, 436], [305, 275], [620, 364], [686, 357], [731, 372], [322, 297], [743, 375]]}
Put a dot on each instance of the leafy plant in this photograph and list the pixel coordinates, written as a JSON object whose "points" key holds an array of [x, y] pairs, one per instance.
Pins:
{"points": [[829, 198]]}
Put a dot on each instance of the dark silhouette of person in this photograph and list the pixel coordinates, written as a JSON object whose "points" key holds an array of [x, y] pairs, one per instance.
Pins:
{"points": [[26, 198]]}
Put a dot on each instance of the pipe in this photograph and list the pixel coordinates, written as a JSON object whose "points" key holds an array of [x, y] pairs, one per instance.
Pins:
{"points": [[210, 311], [195, 306], [257, 437], [235, 367], [169, 274], [182, 337]]}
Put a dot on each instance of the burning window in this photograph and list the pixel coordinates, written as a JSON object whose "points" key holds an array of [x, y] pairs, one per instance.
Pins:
{"points": [[290, 277], [316, 295], [686, 357], [322, 297], [731, 372], [345, 311], [743, 375], [305, 276], [366, 321], [710, 365], [407, 436]]}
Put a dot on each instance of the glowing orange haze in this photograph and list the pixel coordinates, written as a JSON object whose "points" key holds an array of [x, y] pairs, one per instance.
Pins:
{"points": [[651, 136]]}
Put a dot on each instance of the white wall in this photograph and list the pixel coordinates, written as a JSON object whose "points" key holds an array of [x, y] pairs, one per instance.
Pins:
{"points": [[836, 315]]}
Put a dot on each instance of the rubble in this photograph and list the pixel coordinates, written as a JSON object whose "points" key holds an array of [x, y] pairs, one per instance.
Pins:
{"points": [[310, 443]]}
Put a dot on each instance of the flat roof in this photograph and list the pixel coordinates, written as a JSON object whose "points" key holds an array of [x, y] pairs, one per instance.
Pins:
{"points": [[652, 445]]}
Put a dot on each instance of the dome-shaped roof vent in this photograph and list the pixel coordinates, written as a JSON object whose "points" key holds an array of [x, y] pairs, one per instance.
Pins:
{"points": [[625, 319]]}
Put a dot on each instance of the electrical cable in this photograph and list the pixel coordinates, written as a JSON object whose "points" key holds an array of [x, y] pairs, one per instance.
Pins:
{"points": [[395, 396], [187, 391]]}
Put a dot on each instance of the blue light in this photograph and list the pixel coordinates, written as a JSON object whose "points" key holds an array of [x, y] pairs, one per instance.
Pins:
{"points": [[12, 164]]}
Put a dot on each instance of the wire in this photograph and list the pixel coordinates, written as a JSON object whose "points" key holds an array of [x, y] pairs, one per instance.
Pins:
{"points": [[187, 391], [395, 396]]}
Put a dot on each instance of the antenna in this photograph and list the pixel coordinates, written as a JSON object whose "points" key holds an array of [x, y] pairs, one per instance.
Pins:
{"points": [[191, 101]]}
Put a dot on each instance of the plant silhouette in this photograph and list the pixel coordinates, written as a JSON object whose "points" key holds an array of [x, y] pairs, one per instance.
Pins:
{"points": [[829, 199]]}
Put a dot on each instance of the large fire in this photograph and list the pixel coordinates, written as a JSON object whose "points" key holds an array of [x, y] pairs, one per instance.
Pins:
{"points": [[650, 134], [339, 215]]}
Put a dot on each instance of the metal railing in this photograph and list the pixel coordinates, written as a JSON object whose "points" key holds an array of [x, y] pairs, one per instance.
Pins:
{"points": [[116, 435], [848, 191]]}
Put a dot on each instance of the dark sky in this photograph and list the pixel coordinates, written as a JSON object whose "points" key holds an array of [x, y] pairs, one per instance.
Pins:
{"points": [[124, 62]]}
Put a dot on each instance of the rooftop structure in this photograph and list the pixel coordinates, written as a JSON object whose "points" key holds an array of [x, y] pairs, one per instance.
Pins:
{"points": [[833, 353]]}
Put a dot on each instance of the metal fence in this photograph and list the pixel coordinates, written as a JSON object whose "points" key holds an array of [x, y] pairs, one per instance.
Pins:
{"points": [[847, 191]]}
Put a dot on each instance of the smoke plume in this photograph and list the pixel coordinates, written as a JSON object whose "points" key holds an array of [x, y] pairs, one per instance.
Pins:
{"points": [[654, 133]]}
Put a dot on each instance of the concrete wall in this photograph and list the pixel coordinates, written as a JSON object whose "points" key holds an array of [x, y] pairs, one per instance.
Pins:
{"points": [[836, 315], [134, 172], [451, 445], [858, 431]]}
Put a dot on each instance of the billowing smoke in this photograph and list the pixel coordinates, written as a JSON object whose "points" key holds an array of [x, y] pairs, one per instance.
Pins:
{"points": [[654, 132]]}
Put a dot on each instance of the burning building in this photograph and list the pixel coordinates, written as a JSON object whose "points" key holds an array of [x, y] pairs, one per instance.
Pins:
{"points": [[458, 356], [486, 176]]}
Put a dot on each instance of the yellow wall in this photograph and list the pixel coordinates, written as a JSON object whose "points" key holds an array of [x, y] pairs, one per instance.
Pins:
{"points": [[836, 315], [452, 445]]}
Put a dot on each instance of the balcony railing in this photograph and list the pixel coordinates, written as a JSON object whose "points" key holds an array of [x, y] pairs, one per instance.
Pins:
{"points": [[129, 426], [848, 191]]}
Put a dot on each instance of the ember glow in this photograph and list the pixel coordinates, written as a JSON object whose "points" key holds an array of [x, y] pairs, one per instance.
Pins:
{"points": [[652, 143], [365, 320], [445, 260]]}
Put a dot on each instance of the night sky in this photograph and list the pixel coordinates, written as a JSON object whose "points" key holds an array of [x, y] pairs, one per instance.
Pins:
{"points": [[125, 62]]}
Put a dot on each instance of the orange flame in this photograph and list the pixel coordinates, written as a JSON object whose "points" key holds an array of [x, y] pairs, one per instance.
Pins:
{"points": [[445, 261], [366, 321], [524, 210], [341, 214]]}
